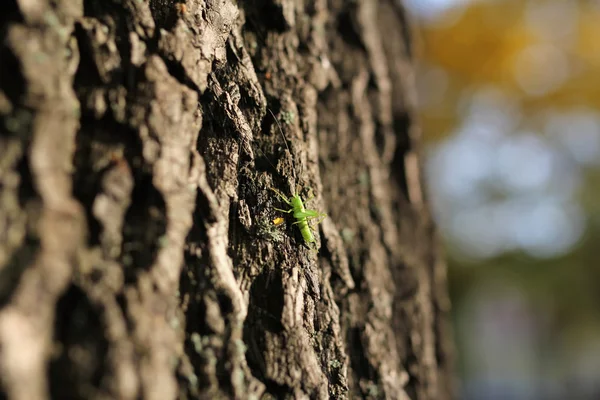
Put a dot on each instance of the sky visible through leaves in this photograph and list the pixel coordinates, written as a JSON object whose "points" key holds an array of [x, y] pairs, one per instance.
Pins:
{"points": [[509, 100]]}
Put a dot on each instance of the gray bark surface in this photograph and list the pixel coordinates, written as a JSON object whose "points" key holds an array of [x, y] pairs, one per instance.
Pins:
{"points": [[138, 253]]}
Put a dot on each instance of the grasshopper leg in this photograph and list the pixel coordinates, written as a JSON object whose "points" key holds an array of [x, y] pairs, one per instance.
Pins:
{"points": [[310, 217], [321, 219], [309, 214], [278, 193]]}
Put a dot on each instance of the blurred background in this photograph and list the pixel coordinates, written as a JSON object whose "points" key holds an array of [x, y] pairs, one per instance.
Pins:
{"points": [[509, 97]]}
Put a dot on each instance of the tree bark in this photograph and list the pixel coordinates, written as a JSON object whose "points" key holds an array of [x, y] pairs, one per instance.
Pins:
{"points": [[138, 253]]}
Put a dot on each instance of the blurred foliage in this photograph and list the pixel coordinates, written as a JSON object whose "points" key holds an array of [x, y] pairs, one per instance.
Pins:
{"points": [[499, 42], [482, 43], [544, 56]]}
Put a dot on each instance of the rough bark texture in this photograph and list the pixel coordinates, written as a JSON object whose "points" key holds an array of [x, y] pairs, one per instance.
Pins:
{"points": [[138, 257]]}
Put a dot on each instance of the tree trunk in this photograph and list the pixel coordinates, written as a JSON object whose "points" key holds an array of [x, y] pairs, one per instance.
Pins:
{"points": [[138, 253]]}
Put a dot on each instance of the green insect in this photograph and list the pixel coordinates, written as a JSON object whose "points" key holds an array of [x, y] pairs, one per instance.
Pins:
{"points": [[300, 213]]}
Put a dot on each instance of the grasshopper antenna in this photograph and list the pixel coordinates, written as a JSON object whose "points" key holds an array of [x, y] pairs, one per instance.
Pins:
{"points": [[286, 145]]}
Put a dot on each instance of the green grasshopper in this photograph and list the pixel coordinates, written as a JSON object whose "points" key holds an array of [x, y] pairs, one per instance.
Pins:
{"points": [[300, 213]]}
